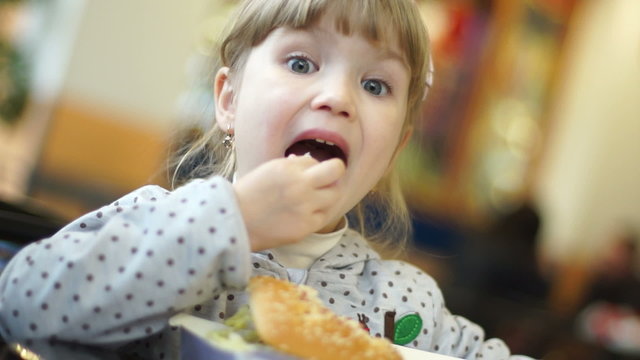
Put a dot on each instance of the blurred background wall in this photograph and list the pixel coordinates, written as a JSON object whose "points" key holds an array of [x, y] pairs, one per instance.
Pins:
{"points": [[587, 181], [104, 129], [535, 103]]}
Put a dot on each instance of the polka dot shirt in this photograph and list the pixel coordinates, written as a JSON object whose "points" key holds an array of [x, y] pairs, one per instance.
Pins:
{"points": [[115, 276]]}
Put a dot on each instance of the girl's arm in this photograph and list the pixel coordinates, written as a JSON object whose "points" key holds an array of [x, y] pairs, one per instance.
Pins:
{"points": [[118, 273]]}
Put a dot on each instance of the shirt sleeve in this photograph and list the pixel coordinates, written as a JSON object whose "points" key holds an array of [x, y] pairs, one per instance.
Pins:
{"points": [[118, 273]]}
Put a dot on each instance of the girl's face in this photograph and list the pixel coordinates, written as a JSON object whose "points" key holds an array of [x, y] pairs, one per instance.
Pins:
{"points": [[319, 91]]}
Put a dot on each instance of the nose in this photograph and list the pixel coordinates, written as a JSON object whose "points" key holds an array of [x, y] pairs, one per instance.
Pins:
{"points": [[337, 95]]}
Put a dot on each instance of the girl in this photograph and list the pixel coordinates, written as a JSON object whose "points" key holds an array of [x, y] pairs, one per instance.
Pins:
{"points": [[313, 103]]}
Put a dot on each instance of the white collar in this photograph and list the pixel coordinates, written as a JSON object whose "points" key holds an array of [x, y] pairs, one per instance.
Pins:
{"points": [[303, 254]]}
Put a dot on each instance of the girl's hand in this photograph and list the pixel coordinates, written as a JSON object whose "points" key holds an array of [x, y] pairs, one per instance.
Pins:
{"points": [[284, 200]]}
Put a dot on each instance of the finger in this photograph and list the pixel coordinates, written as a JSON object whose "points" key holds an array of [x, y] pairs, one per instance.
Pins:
{"points": [[302, 160], [326, 173]]}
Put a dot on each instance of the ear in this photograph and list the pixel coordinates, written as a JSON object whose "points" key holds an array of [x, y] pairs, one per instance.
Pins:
{"points": [[224, 98]]}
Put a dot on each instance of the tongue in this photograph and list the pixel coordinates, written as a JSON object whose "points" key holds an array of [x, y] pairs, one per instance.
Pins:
{"points": [[317, 151]]}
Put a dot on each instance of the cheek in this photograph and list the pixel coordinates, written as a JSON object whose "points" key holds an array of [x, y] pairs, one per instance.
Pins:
{"points": [[259, 135], [264, 104], [379, 151], [384, 136]]}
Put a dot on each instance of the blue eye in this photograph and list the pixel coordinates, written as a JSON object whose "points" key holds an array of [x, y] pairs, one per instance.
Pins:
{"points": [[300, 65], [376, 87]]}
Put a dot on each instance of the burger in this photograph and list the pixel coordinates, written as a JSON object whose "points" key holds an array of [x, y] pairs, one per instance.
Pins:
{"points": [[291, 319]]}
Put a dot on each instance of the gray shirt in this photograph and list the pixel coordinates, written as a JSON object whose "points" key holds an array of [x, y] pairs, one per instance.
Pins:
{"points": [[113, 277]]}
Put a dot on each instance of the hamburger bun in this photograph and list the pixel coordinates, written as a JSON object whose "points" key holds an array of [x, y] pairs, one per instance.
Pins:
{"points": [[292, 319]]}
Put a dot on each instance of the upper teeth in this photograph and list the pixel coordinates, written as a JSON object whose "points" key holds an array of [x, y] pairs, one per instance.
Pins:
{"points": [[324, 142]]}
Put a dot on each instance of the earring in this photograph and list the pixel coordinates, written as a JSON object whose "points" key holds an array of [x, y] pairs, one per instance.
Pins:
{"points": [[227, 142]]}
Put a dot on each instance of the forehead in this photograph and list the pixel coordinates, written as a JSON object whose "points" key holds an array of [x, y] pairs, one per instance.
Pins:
{"points": [[380, 31], [373, 20], [375, 26]]}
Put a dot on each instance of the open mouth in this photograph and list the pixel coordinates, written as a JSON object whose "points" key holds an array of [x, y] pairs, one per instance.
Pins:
{"points": [[319, 149]]}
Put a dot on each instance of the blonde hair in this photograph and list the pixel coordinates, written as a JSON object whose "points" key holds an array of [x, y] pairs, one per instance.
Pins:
{"points": [[382, 215]]}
